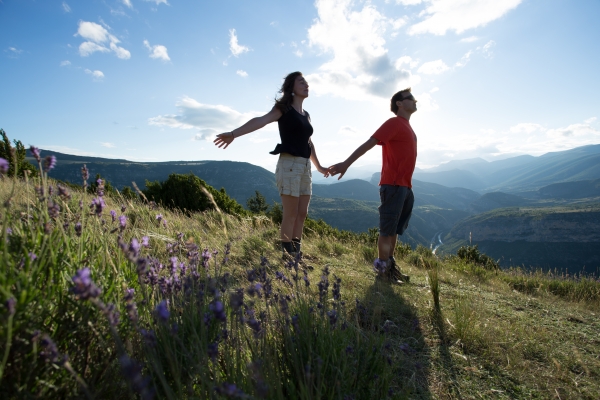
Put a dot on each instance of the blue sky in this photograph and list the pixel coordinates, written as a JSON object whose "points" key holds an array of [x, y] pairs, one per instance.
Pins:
{"points": [[155, 80]]}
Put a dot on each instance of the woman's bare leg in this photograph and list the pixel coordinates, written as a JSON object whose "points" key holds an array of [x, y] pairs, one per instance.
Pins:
{"points": [[300, 216], [290, 214]]}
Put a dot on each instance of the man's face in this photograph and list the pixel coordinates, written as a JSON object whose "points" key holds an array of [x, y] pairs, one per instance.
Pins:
{"points": [[408, 103]]}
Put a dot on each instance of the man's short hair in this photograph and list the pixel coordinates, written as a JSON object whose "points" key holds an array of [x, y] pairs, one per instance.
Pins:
{"points": [[398, 97]]}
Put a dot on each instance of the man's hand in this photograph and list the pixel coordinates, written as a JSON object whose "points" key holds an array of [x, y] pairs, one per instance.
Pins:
{"points": [[224, 139], [339, 168], [324, 171]]}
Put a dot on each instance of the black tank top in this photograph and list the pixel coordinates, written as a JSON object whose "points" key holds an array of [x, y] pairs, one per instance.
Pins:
{"points": [[295, 130]]}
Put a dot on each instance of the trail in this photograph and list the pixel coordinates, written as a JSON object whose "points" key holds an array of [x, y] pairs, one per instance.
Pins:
{"points": [[436, 241]]}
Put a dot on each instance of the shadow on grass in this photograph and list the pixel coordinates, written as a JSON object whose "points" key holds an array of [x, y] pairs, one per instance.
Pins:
{"points": [[384, 310]]}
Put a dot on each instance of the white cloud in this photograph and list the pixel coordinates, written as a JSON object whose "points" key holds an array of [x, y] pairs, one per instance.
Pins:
{"points": [[13, 52], [127, 3], [97, 75], [97, 37], [469, 39], [464, 59], [87, 48], [65, 63], [298, 53], [195, 115], [433, 67], [157, 51], [66, 7], [409, 2], [526, 127], [242, 73], [487, 49], [234, 46], [359, 66], [208, 134], [590, 120], [435, 89], [574, 131], [441, 16], [158, 2], [349, 131], [107, 144], [425, 102], [405, 60]]}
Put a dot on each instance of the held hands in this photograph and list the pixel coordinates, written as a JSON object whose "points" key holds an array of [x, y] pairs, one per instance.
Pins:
{"points": [[224, 139], [339, 168], [324, 171]]}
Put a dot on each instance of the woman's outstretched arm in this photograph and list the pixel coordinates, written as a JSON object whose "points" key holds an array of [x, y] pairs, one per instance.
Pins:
{"points": [[315, 160], [225, 139]]}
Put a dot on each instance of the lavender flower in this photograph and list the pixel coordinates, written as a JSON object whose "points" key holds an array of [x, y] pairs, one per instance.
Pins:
{"points": [[98, 205], [32, 256], [130, 305], [213, 351], [78, 229], [11, 306], [162, 311], [336, 288], [380, 266], [229, 390], [145, 241], [218, 310], [122, 222], [149, 337], [112, 314], [113, 215], [132, 372], [236, 299], [85, 175], [49, 163], [35, 152], [123, 208], [332, 314], [63, 192], [4, 165], [53, 209], [50, 352], [84, 287], [159, 217]]}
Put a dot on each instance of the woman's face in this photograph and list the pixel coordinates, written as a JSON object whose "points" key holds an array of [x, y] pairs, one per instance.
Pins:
{"points": [[300, 87]]}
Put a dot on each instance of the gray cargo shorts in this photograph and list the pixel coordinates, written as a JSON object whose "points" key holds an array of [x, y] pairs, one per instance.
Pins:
{"points": [[395, 209]]}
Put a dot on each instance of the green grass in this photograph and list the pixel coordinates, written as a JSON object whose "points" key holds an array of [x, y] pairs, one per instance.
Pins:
{"points": [[495, 334]]}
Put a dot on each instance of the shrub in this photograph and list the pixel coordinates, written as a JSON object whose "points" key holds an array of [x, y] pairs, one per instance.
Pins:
{"points": [[257, 203], [187, 192], [472, 254]]}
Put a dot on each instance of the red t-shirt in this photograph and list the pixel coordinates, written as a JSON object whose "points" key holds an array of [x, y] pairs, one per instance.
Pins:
{"points": [[399, 150]]}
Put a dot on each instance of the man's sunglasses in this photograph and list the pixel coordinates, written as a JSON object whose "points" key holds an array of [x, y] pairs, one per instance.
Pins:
{"points": [[409, 97]]}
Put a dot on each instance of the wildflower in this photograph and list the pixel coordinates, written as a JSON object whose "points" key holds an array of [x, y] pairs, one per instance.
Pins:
{"points": [[63, 192], [218, 310], [85, 175], [113, 215], [49, 163], [283, 305], [35, 152], [336, 288], [213, 351], [380, 266], [149, 337], [332, 317], [32, 256], [296, 322], [100, 187], [122, 222], [174, 265], [305, 278], [9, 231], [123, 208], [11, 306], [78, 229], [50, 352], [84, 287], [159, 217], [130, 305], [112, 314], [53, 209], [98, 205], [405, 347], [145, 241], [205, 258], [134, 248], [132, 372], [162, 312], [229, 390], [4, 165], [236, 299]]}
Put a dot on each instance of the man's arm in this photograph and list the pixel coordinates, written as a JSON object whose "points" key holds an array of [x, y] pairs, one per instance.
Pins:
{"points": [[343, 166]]}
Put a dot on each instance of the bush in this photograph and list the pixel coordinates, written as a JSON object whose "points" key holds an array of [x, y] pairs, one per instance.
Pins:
{"points": [[257, 203], [187, 192], [471, 254]]}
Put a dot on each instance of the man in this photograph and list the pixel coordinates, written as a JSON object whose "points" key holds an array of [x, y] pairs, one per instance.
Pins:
{"points": [[399, 150]]}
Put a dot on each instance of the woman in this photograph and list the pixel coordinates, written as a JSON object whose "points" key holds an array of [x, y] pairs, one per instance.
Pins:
{"points": [[296, 148]]}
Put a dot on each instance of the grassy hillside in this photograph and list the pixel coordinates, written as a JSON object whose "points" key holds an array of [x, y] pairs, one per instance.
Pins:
{"points": [[229, 323]]}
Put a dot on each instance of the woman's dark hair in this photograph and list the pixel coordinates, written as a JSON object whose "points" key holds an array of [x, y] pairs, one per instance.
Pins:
{"points": [[287, 88]]}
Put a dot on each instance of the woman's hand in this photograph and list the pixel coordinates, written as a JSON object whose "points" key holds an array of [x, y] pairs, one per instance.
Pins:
{"points": [[224, 139], [324, 171]]}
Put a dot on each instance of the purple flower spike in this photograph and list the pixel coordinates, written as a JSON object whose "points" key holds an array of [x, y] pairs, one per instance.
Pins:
{"points": [[132, 372], [35, 152], [84, 287], [11, 306], [113, 215], [145, 241], [112, 314], [122, 222], [85, 175], [32, 256], [162, 312], [159, 217], [78, 229], [3, 166], [218, 310], [49, 163], [229, 390], [50, 351]]}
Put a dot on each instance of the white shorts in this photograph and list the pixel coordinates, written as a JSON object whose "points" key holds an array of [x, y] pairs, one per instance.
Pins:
{"points": [[293, 175]]}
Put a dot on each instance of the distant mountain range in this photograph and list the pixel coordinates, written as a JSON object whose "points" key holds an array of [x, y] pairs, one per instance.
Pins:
{"points": [[446, 202]]}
